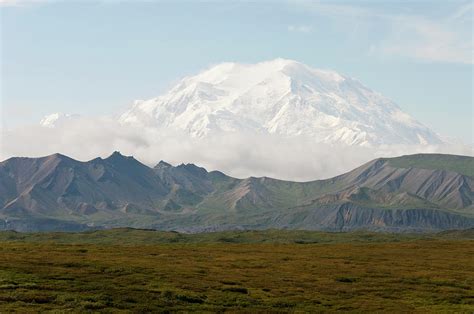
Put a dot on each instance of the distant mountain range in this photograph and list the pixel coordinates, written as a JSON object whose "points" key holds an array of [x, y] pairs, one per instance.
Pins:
{"points": [[426, 192]]}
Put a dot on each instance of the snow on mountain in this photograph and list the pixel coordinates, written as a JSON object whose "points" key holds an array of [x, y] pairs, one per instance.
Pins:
{"points": [[56, 119], [282, 97]]}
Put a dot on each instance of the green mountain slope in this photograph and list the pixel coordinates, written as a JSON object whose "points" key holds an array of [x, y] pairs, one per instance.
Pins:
{"points": [[460, 164]]}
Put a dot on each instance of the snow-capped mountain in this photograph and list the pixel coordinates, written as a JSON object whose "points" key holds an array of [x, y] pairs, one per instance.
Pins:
{"points": [[282, 97]]}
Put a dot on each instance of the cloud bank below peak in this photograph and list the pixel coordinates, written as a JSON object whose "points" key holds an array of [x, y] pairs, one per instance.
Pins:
{"points": [[239, 154]]}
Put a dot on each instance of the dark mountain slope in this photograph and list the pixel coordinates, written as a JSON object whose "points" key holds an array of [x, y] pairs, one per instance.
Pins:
{"points": [[59, 185]]}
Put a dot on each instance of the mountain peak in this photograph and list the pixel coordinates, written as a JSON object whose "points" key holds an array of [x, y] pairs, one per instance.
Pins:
{"points": [[193, 169], [162, 164], [280, 64], [57, 156], [127, 163], [280, 97], [117, 156]]}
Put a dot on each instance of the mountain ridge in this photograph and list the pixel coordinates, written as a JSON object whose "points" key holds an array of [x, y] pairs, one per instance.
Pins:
{"points": [[120, 191]]}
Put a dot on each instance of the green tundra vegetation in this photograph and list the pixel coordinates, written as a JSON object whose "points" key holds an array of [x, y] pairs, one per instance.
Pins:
{"points": [[460, 164], [129, 270]]}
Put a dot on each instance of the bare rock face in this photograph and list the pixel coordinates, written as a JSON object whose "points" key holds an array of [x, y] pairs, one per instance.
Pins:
{"points": [[409, 193], [349, 216]]}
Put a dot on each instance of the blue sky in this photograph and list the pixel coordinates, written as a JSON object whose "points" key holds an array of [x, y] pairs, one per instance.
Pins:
{"points": [[96, 57]]}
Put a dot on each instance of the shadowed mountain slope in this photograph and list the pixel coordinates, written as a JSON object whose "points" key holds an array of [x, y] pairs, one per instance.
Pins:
{"points": [[424, 192]]}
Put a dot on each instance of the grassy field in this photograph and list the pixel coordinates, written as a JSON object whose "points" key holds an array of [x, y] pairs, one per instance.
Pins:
{"points": [[278, 271]]}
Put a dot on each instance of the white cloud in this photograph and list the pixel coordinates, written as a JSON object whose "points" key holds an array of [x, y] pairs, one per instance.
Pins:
{"points": [[428, 40], [448, 38], [239, 155], [463, 13], [299, 28]]}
